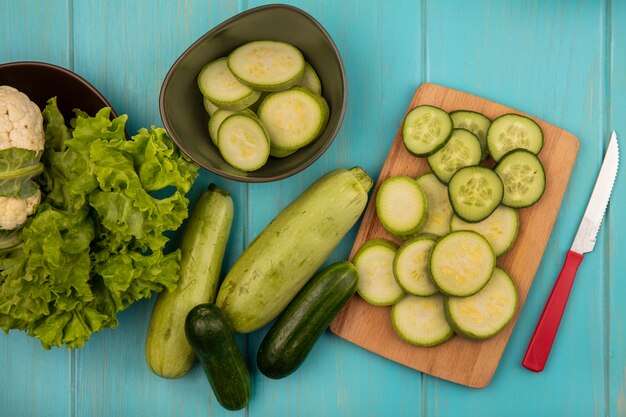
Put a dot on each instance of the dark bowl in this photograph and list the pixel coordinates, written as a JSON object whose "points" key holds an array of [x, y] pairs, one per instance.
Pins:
{"points": [[181, 106], [41, 81]]}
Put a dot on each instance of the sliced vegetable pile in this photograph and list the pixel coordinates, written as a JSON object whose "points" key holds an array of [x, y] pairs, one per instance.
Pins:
{"points": [[455, 221], [96, 242], [273, 78]]}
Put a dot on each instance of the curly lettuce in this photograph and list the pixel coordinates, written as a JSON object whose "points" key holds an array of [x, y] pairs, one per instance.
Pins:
{"points": [[96, 243]]}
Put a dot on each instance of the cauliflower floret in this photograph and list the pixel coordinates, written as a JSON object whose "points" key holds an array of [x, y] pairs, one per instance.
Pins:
{"points": [[21, 122], [32, 202], [15, 211]]}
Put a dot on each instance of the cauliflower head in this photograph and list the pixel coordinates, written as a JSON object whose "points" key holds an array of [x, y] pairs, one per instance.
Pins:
{"points": [[14, 211], [21, 122]]}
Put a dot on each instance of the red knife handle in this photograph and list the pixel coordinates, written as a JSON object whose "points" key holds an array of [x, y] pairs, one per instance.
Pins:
{"points": [[543, 337]]}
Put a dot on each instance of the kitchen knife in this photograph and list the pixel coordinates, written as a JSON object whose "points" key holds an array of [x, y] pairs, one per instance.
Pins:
{"points": [[584, 242]]}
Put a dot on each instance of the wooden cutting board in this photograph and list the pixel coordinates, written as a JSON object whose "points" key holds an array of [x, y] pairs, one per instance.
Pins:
{"points": [[459, 360]]}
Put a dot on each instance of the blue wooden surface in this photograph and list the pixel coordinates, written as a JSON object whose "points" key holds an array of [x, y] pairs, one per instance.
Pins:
{"points": [[563, 61]]}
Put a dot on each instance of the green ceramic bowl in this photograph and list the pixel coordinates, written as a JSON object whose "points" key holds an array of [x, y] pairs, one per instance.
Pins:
{"points": [[181, 106]]}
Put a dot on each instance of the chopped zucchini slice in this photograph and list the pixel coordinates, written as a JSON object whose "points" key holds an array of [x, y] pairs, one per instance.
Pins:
{"points": [[421, 321], [487, 312], [462, 150], [475, 192], [279, 153], [461, 263], [243, 142], [293, 118], [476, 123], [425, 130], [255, 107], [209, 107], [401, 206], [374, 261], [219, 85], [500, 228], [410, 266], [523, 177], [267, 65], [512, 131], [218, 117], [310, 79], [439, 208]]}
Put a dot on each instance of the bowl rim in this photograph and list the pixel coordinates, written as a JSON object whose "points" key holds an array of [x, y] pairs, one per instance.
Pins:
{"points": [[219, 27], [65, 71]]}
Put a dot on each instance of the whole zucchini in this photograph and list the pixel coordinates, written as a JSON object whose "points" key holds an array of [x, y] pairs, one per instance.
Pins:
{"points": [[286, 254], [212, 339], [292, 336], [167, 352]]}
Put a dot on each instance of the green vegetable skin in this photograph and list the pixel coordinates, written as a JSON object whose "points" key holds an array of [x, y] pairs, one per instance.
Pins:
{"points": [[96, 243], [291, 338], [212, 339], [281, 260], [202, 249]]}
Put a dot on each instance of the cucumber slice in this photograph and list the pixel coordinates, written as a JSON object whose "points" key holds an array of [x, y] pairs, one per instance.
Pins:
{"points": [[293, 118], [310, 80], [475, 192], [218, 117], [523, 177], [500, 228], [512, 131], [374, 261], [410, 266], [401, 206], [461, 263], [439, 208], [476, 123], [462, 150], [209, 107], [218, 84], [267, 65], [485, 313], [421, 321], [425, 130], [243, 142]]}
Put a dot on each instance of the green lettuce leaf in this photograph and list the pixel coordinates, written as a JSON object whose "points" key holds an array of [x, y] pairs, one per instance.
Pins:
{"points": [[95, 245], [124, 202], [17, 168], [12, 159], [56, 132]]}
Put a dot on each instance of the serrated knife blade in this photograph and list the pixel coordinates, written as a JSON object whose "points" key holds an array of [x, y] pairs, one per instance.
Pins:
{"points": [[541, 342], [585, 238]]}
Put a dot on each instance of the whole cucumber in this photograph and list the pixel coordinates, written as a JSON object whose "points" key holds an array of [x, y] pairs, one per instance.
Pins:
{"points": [[212, 339], [285, 255], [202, 249], [292, 336]]}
